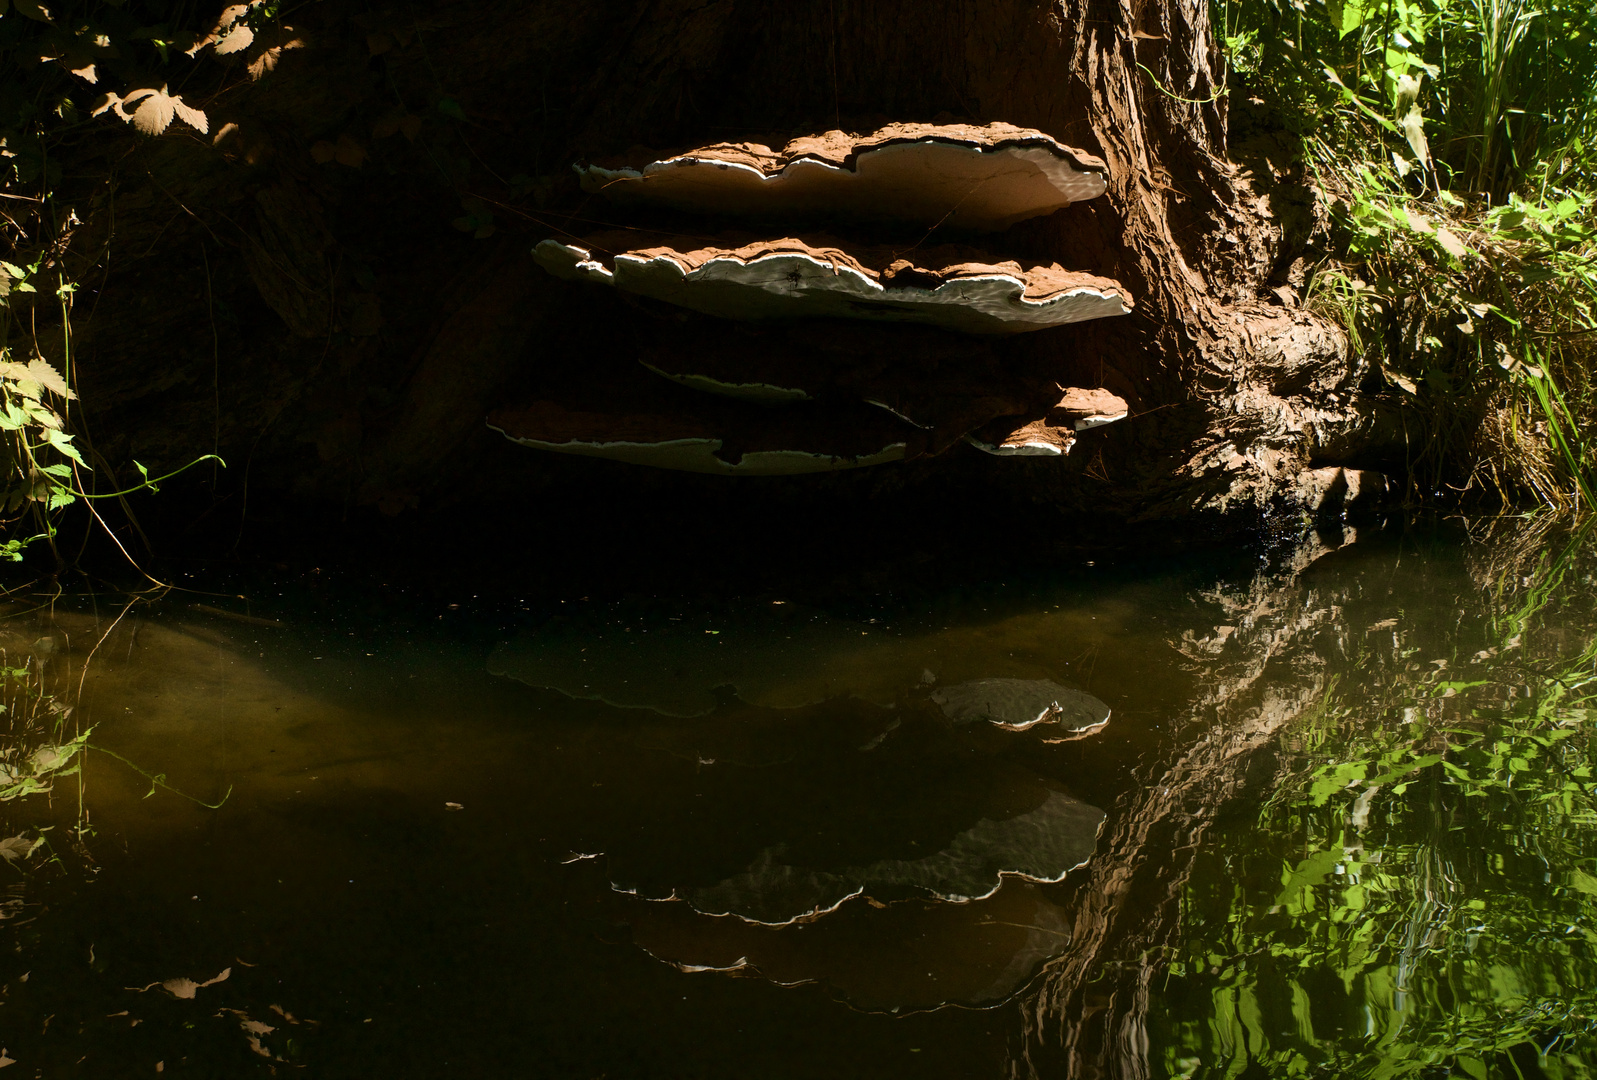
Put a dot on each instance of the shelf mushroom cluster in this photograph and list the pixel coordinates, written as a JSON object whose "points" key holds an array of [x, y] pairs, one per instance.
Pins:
{"points": [[796, 405]]}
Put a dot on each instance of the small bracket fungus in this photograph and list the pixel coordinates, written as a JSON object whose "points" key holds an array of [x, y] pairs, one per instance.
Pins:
{"points": [[718, 438], [794, 278], [974, 178], [1054, 434]]}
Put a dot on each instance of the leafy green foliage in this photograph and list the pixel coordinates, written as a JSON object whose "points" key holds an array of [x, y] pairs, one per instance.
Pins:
{"points": [[1454, 139]]}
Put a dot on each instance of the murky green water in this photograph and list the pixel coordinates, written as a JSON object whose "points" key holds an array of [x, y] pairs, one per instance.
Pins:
{"points": [[1340, 820]]}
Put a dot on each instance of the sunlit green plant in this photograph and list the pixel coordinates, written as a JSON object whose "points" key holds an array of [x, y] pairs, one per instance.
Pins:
{"points": [[1454, 140]]}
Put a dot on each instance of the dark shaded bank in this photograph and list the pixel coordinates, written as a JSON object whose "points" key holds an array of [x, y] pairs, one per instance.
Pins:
{"points": [[597, 531]]}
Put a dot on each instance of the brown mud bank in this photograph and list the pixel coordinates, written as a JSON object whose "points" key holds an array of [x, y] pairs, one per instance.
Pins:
{"points": [[335, 286]]}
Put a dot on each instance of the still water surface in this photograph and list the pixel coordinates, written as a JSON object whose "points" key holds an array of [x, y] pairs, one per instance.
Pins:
{"points": [[1326, 812]]}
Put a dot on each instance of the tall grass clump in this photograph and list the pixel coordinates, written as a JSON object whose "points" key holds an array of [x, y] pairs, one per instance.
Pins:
{"points": [[1456, 142]]}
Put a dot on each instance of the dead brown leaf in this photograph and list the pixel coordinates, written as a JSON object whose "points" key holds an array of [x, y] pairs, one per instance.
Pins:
{"points": [[350, 152], [323, 151], [388, 124]]}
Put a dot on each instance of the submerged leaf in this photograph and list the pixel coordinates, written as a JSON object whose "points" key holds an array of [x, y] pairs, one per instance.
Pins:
{"points": [[13, 848]]}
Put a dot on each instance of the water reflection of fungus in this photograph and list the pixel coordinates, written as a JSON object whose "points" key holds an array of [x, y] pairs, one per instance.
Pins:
{"points": [[881, 958]]}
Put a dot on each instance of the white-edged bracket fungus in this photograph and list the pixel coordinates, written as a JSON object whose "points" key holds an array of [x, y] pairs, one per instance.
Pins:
{"points": [[974, 178], [791, 278], [715, 439], [1055, 433]]}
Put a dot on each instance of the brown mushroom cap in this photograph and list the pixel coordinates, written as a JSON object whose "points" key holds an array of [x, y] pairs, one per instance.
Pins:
{"points": [[957, 288], [1054, 433], [980, 178]]}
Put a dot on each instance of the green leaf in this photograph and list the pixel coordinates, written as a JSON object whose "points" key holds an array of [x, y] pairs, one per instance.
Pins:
{"points": [[63, 442]]}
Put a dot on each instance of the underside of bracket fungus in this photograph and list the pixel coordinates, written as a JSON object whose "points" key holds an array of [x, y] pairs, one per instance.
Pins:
{"points": [[957, 288], [1021, 704], [1042, 845], [945, 385], [1054, 433], [699, 433], [962, 176]]}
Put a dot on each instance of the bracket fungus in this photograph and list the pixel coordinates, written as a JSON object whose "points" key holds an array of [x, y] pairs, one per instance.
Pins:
{"points": [[973, 178], [712, 438], [789, 278], [1054, 433], [944, 385]]}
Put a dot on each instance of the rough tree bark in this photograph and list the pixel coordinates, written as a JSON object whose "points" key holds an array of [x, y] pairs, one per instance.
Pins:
{"points": [[320, 318]]}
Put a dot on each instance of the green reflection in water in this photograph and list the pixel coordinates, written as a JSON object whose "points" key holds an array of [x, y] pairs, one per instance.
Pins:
{"points": [[1418, 896]]}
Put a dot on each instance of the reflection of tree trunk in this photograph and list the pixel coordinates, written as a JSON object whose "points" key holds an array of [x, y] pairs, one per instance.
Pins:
{"points": [[1087, 1015]]}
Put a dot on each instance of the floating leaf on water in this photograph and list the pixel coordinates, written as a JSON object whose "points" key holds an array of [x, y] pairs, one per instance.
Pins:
{"points": [[186, 988]]}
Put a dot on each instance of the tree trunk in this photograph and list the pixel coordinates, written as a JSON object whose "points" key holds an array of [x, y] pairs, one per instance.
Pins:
{"points": [[329, 322]]}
